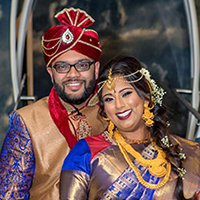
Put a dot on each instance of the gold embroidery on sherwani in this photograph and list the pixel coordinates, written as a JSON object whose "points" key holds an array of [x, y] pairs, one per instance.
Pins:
{"points": [[84, 129], [78, 117], [94, 100], [84, 122], [69, 108]]}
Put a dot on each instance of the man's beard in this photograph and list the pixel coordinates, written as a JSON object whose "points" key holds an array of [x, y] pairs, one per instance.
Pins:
{"points": [[60, 89]]}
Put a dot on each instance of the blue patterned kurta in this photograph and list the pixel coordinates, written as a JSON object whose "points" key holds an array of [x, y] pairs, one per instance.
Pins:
{"points": [[34, 148], [17, 162]]}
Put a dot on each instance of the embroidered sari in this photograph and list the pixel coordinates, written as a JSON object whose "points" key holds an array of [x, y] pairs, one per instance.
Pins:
{"points": [[96, 169]]}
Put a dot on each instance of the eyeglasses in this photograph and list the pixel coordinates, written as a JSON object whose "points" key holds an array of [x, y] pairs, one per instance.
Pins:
{"points": [[81, 66]]}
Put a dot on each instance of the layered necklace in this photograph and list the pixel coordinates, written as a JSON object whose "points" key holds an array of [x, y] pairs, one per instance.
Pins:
{"points": [[158, 167]]}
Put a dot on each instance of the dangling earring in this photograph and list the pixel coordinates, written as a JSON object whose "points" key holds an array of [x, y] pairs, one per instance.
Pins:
{"points": [[106, 118], [111, 126], [148, 116]]}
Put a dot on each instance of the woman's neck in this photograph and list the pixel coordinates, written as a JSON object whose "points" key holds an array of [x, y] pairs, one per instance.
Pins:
{"points": [[139, 135]]}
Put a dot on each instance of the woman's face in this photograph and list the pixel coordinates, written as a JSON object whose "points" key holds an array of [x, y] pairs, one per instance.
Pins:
{"points": [[123, 106]]}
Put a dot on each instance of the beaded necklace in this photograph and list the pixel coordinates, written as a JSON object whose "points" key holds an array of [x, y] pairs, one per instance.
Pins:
{"points": [[131, 141]]}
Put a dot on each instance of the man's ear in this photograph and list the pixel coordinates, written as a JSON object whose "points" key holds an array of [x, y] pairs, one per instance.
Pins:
{"points": [[49, 70], [96, 68]]}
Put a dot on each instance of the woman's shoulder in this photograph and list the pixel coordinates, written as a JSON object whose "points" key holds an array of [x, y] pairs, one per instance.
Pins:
{"points": [[102, 138], [191, 164], [185, 143], [98, 143]]}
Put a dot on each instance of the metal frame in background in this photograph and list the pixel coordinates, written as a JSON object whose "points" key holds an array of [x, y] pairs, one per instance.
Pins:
{"points": [[17, 53], [194, 55]]}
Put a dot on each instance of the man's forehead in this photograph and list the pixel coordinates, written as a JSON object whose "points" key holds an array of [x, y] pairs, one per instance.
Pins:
{"points": [[74, 62], [72, 57]]}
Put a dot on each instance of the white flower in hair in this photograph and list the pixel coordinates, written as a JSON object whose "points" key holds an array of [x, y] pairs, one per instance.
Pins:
{"points": [[157, 92]]}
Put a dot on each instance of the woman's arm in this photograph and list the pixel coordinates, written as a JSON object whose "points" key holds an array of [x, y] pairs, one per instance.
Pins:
{"points": [[75, 175]]}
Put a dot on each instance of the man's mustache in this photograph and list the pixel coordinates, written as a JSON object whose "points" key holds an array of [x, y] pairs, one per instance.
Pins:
{"points": [[71, 80]]}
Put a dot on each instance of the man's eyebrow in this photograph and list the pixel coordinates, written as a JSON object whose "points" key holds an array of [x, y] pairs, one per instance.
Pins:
{"points": [[77, 61], [85, 59]]}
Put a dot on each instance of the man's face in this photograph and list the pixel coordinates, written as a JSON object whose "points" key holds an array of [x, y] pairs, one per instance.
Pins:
{"points": [[74, 87]]}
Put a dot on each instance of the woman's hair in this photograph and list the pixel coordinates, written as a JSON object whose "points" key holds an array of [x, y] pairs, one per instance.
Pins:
{"points": [[126, 65]]}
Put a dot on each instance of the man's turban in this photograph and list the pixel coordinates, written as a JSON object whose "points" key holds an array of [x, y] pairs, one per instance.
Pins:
{"points": [[73, 35]]}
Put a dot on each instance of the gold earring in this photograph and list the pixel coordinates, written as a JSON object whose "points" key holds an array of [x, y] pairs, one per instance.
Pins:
{"points": [[106, 118], [148, 116], [111, 127]]}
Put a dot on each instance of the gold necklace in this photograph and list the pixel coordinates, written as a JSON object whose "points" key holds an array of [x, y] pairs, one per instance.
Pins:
{"points": [[155, 166]]}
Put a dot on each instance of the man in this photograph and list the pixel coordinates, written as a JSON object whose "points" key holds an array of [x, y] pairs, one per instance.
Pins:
{"points": [[40, 135]]}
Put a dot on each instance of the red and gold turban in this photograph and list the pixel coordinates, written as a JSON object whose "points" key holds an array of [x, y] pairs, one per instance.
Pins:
{"points": [[73, 35]]}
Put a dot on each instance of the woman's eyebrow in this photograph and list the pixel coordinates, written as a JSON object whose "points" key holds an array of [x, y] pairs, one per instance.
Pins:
{"points": [[108, 94], [125, 89]]}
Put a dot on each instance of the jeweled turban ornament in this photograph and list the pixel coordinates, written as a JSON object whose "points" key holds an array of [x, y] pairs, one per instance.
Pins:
{"points": [[72, 35]]}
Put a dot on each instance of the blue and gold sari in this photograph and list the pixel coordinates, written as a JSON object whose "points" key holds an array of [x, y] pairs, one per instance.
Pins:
{"points": [[96, 169]]}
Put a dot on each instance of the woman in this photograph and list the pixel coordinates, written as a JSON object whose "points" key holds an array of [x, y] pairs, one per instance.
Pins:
{"points": [[136, 158]]}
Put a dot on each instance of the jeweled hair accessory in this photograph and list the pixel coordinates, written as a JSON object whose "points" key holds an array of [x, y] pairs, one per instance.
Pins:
{"points": [[110, 82], [71, 35], [157, 92]]}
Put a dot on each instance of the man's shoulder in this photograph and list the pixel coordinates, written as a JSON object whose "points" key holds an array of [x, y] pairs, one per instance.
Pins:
{"points": [[38, 105]]}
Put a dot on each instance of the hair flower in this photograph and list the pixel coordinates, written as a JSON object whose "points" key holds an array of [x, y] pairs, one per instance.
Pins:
{"points": [[182, 156], [166, 142], [157, 92], [181, 172]]}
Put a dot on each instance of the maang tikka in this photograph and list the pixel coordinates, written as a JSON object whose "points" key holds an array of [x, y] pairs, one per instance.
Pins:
{"points": [[110, 83]]}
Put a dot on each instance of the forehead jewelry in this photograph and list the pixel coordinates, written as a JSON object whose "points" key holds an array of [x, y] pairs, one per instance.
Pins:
{"points": [[110, 82], [157, 92]]}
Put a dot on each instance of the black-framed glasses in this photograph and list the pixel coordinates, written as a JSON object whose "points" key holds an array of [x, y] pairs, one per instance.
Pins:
{"points": [[81, 66]]}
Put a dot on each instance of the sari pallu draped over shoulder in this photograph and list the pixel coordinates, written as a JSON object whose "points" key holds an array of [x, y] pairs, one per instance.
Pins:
{"points": [[100, 171]]}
